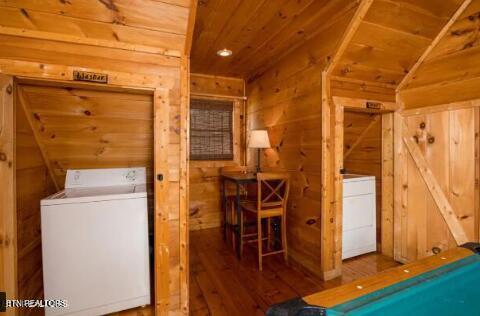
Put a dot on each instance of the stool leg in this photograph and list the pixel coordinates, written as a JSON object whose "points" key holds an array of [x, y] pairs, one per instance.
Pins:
{"points": [[269, 233], [284, 237], [241, 234], [259, 238], [233, 222]]}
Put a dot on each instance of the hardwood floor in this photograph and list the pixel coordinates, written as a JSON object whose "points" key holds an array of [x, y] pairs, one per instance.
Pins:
{"points": [[222, 285]]}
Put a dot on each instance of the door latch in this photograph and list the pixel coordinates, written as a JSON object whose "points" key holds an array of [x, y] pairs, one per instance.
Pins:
{"points": [[159, 177]]}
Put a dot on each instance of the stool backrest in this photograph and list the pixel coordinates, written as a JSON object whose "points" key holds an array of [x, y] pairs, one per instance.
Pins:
{"points": [[273, 190]]}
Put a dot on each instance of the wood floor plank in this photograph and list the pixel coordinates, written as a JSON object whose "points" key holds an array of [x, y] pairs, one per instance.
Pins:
{"points": [[237, 287]]}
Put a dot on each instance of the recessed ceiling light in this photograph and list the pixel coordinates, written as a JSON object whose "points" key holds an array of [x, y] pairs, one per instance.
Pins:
{"points": [[224, 52]]}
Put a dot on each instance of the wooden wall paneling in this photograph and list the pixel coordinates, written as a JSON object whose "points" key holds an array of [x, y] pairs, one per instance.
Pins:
{"points": [[462, 168], [162, 259], [28, 196], [332, 158], [416, 230], [361, 136], [387, 197], [132, 26], [350, 32], [442, 77], [358, 89], [217, 86], [433, 44], [22, 102], [286, 100], [63, 119], [205, 205], [140, 56], [435, 189], [389, 40], [8, 242]]}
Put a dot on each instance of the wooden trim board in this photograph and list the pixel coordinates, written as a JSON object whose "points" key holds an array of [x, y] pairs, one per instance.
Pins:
{"points": [[161, 127], [8, 227], [387, 185], [365, 105]]}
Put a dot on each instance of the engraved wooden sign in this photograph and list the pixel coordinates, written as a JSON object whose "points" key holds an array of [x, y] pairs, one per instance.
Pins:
{"points": [[374, 105], [90, 76]]}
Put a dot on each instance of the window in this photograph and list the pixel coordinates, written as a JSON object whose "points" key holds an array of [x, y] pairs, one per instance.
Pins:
{"points": [[211, 135]]}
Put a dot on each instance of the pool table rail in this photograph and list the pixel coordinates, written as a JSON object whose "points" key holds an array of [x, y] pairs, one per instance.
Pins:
{"points": [[317, 303]]}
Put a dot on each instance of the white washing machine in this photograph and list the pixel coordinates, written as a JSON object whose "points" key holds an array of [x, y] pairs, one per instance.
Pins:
{"points": [[95, 242]]}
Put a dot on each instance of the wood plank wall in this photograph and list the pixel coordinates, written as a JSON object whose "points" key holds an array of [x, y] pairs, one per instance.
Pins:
{"points": [[433, 95], [140, 44], [33, 182], [56, 61], [287, 101], [452, 159], [451, 72], [205, 203], [363, 151]]}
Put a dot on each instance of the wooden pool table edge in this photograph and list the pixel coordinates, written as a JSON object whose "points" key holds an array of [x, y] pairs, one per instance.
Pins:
{"points": [[364, 286]]}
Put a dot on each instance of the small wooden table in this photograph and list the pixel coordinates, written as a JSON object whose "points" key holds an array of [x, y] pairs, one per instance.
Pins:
{"points": [[239, 179]]}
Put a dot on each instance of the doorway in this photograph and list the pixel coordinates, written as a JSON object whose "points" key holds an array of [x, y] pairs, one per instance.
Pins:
{"points": [[60, 126]]}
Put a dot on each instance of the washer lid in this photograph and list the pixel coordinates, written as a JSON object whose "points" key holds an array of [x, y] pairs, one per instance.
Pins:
{"points": [[96, 194], [87, 178]]}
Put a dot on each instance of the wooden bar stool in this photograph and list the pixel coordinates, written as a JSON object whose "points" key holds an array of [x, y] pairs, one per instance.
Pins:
{"points": [[272, 196], [229, 208]]}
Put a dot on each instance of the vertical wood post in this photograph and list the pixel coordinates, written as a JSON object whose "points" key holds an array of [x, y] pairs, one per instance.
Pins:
{"points": [[184, 179], [387, 184], [332, 162], [8, 242], [161, 108]]}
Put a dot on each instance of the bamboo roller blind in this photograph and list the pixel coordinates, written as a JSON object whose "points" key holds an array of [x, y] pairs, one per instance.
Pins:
{"points": [[211, 134]]}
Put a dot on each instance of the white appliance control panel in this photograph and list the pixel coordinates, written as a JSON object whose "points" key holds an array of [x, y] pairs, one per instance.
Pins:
{"points": [[87, 178]]}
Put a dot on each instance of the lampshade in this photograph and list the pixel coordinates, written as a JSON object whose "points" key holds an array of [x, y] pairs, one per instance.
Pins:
{"points": [[259, 139]]}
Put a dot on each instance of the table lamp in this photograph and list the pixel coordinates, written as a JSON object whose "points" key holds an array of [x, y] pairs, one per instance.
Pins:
{"points": [[259, 139]]}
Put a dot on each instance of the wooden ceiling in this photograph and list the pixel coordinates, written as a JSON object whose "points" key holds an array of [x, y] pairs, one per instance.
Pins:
{"points": [[141, 25], [78, 129], [257, 31], [390, 39]]}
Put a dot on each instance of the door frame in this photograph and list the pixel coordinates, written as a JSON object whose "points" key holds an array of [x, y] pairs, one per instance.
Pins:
{"points": [[161, 113]]}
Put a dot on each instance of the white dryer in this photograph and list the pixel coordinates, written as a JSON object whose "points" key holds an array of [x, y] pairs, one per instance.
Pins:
{"points": [[95, 242]]}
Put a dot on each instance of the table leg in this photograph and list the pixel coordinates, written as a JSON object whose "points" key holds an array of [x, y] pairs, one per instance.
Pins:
{"points": [[237, 227], [224, 210]]}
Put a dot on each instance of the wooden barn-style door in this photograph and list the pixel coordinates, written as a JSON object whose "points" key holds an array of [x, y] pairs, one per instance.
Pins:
{"points": [[436, 181], [7, 194]]}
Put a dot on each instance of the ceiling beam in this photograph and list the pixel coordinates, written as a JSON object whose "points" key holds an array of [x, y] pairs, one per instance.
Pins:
{"points": [[349, 33], [406, 80]]}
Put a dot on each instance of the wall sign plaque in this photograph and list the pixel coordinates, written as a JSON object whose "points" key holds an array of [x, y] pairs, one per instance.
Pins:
{"points": [[90, 76], [374, 105]]}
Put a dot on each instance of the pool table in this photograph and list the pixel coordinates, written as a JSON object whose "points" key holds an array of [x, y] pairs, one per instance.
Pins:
{"points": [[444, 284]]}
